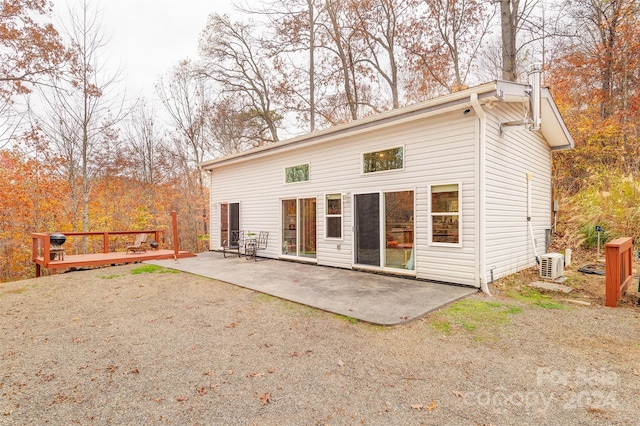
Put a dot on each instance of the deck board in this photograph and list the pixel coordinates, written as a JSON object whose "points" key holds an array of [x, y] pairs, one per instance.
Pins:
{"points": [[114, 258]]}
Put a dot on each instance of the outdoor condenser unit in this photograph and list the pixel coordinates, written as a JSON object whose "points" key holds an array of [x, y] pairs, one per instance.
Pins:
{"points": [[551, 266]]}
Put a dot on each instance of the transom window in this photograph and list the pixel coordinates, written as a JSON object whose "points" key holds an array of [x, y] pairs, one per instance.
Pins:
{"points": [[299, 173], [445, 214], [378, 161]]}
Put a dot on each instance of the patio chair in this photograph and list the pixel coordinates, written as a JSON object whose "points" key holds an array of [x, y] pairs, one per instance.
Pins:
{"points": [[138, 244], [233, 243], [252, 245]]}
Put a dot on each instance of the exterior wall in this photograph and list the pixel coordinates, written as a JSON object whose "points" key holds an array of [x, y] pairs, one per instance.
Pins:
{"points": [[509, 158], [438, 150]]}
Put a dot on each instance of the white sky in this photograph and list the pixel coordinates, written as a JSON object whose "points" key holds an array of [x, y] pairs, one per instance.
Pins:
{"points": [[148, 37]]}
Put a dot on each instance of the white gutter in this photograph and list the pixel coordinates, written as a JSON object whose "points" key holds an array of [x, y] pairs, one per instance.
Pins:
{"points": [[480, 193]]}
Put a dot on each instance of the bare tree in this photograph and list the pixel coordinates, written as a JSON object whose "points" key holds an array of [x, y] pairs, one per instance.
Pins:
{"points": [[231, 58], [80, 109], [186, 100], [445, 41], [380, 24]]}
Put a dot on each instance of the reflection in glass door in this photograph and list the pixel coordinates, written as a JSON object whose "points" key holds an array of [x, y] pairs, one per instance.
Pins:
{"points": [[299, 227], [307, 221], [398, 226]]}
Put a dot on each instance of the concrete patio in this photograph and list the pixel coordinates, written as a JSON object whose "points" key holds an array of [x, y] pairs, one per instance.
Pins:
{"points": [[373, 298]]}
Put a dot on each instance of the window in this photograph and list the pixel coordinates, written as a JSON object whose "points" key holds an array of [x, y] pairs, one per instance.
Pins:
{"points": [[390, 159], [445, 214], [334, 216], [296, 173]]}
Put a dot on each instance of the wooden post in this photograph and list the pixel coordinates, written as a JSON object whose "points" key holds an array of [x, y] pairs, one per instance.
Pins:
{"points": [[105, 242], [619, 264], [174, 220]]}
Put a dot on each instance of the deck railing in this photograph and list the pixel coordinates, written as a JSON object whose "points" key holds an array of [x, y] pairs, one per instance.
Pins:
{"points": [[41, 246], [619, 258]]}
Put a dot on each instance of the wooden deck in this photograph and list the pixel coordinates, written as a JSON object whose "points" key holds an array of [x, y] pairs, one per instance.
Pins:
{"points": [[44, 255], [101, 259]]}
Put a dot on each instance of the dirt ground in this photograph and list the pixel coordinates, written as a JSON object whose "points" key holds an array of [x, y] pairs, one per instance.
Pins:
{"points": [[110, 346]]}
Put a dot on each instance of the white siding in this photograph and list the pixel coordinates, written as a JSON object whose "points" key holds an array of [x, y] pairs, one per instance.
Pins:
{"points": [[510, 157], [437, 150]]}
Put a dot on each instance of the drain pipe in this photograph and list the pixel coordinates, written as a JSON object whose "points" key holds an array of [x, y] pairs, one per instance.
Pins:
{"points": [[482, 116]]}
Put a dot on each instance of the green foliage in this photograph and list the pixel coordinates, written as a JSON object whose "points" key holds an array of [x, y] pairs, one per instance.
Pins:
{"points": [[109, 277], [473, 316], [534, 297], [611, 200], [146, 269]]}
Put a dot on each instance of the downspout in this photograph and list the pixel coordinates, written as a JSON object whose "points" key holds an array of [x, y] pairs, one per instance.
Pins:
{"points": [[480, 199]]}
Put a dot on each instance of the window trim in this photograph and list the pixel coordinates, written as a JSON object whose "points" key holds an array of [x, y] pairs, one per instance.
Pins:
{"points": [[327, 216], [298, 181], [431, 214], [362, 162]]}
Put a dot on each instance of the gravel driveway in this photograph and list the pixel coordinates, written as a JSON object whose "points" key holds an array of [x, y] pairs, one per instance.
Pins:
{"points": [[109, 347]]}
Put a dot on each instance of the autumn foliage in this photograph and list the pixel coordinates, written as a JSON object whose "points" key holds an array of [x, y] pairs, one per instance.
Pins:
{"points": [[305, 64]]}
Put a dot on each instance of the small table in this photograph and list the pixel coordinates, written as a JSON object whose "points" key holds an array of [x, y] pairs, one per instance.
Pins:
{"points": [[56, 253]]}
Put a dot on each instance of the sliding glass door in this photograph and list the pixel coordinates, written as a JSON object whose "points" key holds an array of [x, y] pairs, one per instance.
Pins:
{"points": [[384, 229], [299, 227]]}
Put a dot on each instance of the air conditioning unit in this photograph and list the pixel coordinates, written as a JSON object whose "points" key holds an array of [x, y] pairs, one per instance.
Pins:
{"points": [[551, 266]]}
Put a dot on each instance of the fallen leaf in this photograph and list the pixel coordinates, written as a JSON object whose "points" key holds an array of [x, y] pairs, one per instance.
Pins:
{"points": [[458, 394], [272, 370], [255, 374], [340, 363], [182, 398], [265, 398], [417, 406], [404, 318], [432, 406], [230, 372], [202, 391], [208, 373], [635, 372], [232, 325], [135, 371]]}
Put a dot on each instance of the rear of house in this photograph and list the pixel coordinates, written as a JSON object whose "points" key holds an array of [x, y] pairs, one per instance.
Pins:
{"points": [[453, 189]]}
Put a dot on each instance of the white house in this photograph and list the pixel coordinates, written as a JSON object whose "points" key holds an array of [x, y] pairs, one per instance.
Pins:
{"points": [[455, 189]]}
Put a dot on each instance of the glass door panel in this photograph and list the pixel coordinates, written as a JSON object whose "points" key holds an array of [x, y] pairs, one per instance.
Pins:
{"points": [[307, 233], [289, 228], [224, 223], [229, 221], [234, 221], [398, 224], [367, 229]]}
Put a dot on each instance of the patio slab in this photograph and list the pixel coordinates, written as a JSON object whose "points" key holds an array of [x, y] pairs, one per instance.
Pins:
{"points": [[373, 298]]}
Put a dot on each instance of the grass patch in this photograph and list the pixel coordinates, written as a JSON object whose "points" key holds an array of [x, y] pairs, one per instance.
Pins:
{"points": [[18, 290], [534, 297], [346, 318], [110, 277], [474, 316], [149, 269]]}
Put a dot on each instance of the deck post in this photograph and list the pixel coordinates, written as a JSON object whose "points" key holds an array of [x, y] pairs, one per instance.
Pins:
{"points": [[105, 243], [619, 274], [174, 221]]}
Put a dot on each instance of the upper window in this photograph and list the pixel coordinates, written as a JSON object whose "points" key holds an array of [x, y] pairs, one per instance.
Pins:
{"points": [[334, 216], [296, 173], [445, 214], [389, 159]]}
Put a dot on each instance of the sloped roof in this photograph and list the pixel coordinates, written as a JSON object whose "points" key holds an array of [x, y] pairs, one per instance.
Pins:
{"points": [[553, 128]]}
